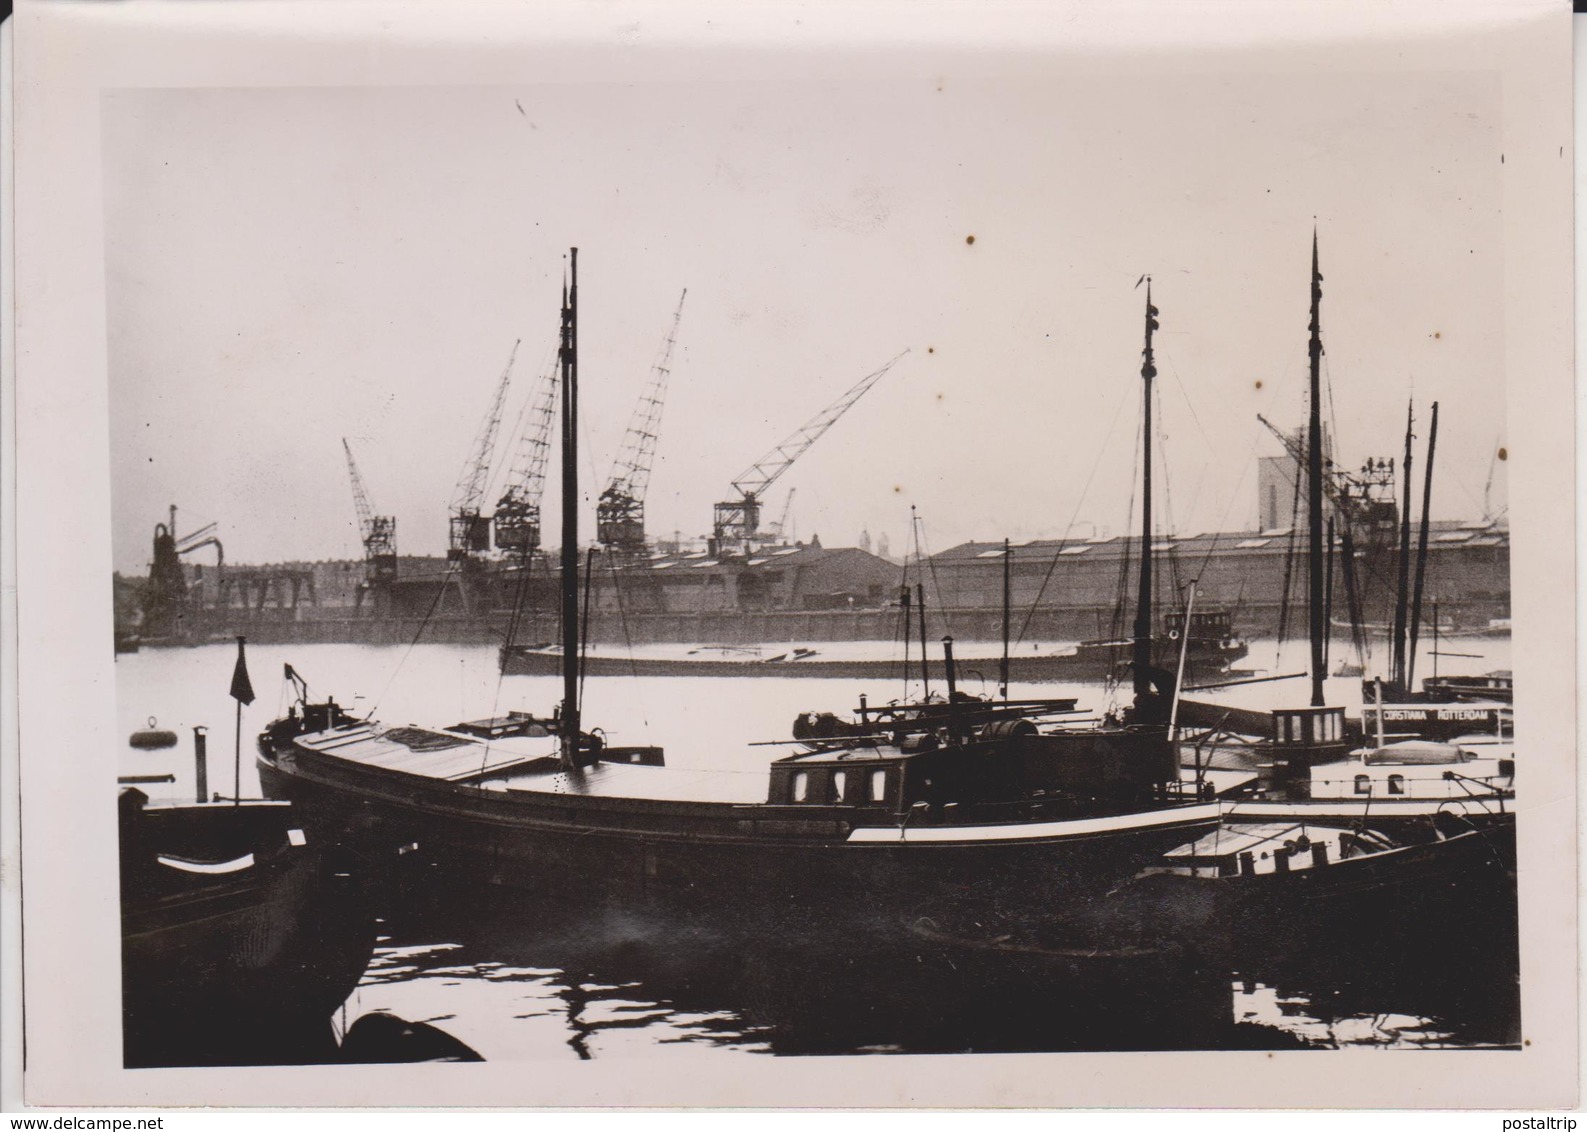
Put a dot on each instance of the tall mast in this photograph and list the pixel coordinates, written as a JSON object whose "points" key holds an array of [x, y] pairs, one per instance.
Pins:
{"points": [[1002, 673], [904, 604], [1402, 591], [569, 355], [1314, 486], [1421, 557], [1141, 654]]}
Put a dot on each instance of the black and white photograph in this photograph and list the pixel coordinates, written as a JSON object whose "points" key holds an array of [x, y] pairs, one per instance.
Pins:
{"points": [[713, 553]]}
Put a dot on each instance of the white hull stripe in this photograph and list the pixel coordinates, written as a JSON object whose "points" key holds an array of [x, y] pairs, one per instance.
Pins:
{"points": [[1377, 809], [1040, 831]]}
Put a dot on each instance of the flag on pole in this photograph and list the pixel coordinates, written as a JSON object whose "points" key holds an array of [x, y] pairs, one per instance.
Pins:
{"points": [[241, 687]]}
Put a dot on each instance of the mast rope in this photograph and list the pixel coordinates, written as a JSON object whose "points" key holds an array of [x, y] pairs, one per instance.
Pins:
{"points": [[1074, 517], [942, 605], [424, 622], [1289, 567], [628, 640], [1121, 592], [1223, 520]]}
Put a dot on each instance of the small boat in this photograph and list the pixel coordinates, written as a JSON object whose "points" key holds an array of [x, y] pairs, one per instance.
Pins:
{"points": [[973, 811], [240, 935], [1495, 687], [1294, 874]]}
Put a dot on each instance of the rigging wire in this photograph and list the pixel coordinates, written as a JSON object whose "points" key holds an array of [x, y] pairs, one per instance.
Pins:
{"points": [[424, 623], [901, 624], [1289, 572], [1074, 517], [1223, 520], [628, 640], [1121, 593], [942, 605]]}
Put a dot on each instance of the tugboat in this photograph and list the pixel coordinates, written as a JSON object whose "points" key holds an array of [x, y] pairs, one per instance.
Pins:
{"points": [[985, 813], [1210, 647]]}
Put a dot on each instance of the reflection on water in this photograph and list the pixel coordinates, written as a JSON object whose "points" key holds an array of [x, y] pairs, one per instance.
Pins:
{"points": [[557, 979], [1262, 1005], [515, 978]]}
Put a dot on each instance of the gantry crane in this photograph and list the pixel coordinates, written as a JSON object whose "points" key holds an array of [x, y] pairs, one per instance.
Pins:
{"points": [[620, 512], [1365, 498], [470, 529], [378, 532], [518, 509], [737, 521]]}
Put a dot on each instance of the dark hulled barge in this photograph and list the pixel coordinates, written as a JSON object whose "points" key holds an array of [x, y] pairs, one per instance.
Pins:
{"points": [[1001, 812]]}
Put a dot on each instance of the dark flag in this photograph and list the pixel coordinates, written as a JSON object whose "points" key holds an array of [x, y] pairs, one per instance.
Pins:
{"points": [[241, 687]]}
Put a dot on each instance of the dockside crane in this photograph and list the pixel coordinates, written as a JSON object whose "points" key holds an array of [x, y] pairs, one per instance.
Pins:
{"points": [[195, 540], [377, 532], [1364, 497], [620, 511], [518, 510], [166, 598], [783, 531], [737, 522], [469, 528]]}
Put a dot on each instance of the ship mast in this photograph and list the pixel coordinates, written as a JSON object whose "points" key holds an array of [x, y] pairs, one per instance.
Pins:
{"points": [[568, 354], [1314, 492], [1141, 655]]}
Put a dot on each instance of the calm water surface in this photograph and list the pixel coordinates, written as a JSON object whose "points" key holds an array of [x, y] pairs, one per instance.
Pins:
{"points": [[517, 979]]}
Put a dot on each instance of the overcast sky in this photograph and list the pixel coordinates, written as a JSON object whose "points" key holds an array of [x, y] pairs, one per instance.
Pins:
{"points": [[288, 266]]}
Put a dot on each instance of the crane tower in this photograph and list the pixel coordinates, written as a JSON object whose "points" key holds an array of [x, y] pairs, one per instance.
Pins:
{"points": [[377, 532], [469, 529], [620, 511], [518, 510], [737, 521]]}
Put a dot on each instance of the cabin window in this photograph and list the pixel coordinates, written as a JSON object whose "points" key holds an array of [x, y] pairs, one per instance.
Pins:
{"points": [[1396, 784], [1363, 784], [801, 786], [840, 781], [878, 786]]}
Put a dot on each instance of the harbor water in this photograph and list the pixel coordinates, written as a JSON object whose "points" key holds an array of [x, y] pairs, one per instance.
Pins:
{"points": [[517, 978]]}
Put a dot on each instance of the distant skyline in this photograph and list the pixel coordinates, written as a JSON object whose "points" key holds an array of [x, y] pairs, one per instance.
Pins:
{"points": [[285, 267]]}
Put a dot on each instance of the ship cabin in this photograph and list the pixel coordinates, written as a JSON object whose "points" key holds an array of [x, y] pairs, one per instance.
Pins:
{"points": [[1010, 771], [1306, 737], [1417, 769]]}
